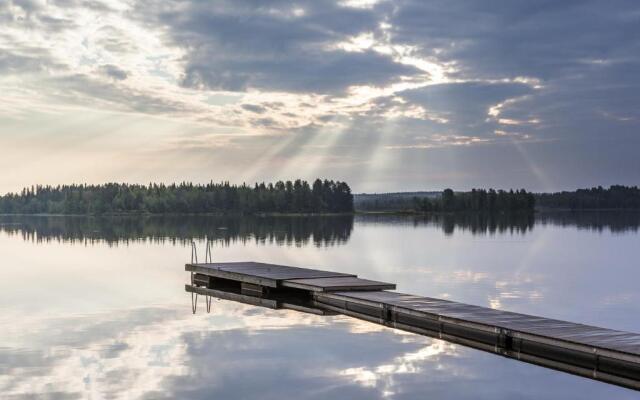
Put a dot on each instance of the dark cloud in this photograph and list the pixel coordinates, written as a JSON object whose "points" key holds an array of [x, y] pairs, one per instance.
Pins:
{"points": [[114, 72], [274, 104], [571, 46], [265, 122], [464, 104], [276, 45], [585, 54], [26, 60], [29, 6], [33, 15], [321, 72], [254, 108], [114, 350], [519, 38]]}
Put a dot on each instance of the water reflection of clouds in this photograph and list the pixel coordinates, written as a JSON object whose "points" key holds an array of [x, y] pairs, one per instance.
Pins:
{"points": [[164, 352], [94, 356], [123, 354], [382, 376], [519, 289], [500, 290], [240, 351]]}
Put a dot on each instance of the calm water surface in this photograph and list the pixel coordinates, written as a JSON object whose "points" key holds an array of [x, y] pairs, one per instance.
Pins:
{"points": [[95, 308]]}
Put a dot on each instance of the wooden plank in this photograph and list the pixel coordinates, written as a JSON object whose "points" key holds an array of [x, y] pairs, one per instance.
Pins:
{"points": [[333, 284], [556, 330], [278, 272], [270, 275], [201, 280], [238, 277], [251, 289]]}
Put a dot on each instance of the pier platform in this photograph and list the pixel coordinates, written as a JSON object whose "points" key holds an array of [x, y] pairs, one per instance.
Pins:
{"points": [[597, 353]]}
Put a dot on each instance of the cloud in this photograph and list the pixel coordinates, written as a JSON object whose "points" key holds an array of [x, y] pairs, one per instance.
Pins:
{"points": [[254, 108], [553, 83], [80, 88], [273, 46], [435, 141], [32, 14], [582, 56], [517, 38], [25, 60], [465, 105], [115, 40], [114, 72]]}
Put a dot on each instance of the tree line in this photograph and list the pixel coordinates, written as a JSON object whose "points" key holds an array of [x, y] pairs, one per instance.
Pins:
{"points": [[477, 200], [615, 197], [323, 196], [389, 202]]}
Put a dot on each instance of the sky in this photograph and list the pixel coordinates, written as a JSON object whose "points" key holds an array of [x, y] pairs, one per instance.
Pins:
{"points": [[386, 95]]}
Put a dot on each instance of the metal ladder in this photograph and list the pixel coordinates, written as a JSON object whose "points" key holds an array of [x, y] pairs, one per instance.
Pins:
{"points": [[208, 258]]}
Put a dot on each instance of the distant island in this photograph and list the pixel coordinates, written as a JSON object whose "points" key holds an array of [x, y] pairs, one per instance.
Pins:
{"points": [[298, 197]]}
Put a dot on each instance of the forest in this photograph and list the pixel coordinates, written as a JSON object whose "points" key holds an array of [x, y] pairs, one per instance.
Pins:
{"points": [[615, 197], [296, 197], [323, 196], [477, 200], [481, 200]]}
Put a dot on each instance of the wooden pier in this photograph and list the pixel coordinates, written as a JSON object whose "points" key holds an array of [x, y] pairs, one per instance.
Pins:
{"points": [[598, 353]]}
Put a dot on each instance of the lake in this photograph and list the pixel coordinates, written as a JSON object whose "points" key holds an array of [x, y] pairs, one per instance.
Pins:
{"points": [[96, 308]]}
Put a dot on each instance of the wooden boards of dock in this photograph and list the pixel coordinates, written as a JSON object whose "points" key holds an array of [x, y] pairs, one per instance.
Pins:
{"points": [[278, 276], [597, 353]]}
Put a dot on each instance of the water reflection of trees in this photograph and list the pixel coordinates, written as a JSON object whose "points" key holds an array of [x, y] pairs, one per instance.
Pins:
{"points": [[292, 231], [612, 220], [476, 223], [321, 231], [518, 223]]}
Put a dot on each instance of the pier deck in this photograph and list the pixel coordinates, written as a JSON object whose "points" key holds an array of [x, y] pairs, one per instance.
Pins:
{"points": [[269, 275], [597, 353]]}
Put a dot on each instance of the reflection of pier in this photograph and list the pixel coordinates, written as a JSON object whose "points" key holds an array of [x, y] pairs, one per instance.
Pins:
{"points": [[598, 353]]}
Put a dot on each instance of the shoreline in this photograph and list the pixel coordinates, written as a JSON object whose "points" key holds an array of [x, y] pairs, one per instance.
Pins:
{"points": [[146, 214], [355, 213]]}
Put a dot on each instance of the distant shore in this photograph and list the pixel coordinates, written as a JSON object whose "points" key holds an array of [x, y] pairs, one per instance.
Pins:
{"points": [[355, 213], [208, 214]]}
